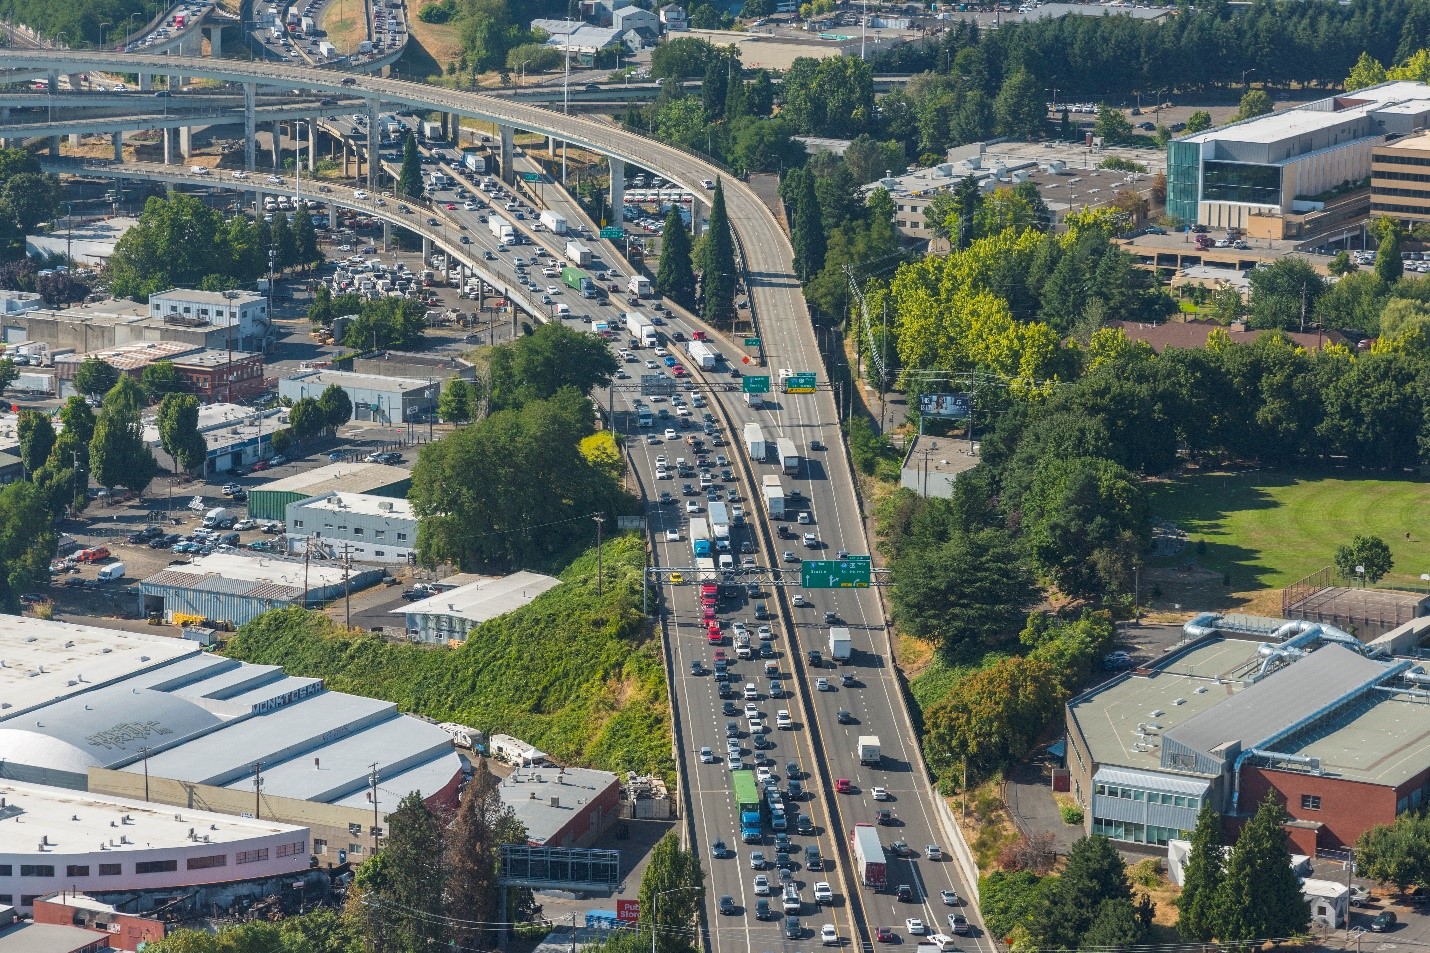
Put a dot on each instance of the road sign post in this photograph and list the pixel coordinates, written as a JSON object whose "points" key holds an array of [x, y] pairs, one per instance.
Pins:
{"points": [[850, 573], [800, 384], [755, 384]]}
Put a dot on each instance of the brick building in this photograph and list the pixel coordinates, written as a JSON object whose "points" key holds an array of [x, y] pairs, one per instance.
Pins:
{"points": [[216, 375]]}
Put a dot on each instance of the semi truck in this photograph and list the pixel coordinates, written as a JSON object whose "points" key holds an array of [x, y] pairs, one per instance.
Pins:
{"points": [[701, 549], [789, 456], [641, 329], [750, 806], [309, 27], [703, 355], [501, 229], [720, 524], [554, 222], [474, 162], [868, 749], [432, 131], [327, 50], [578, 279], [640, 286], [365, 47], [840, 646], [774, 497], [755, 442], [868, 856], [577, 253]]}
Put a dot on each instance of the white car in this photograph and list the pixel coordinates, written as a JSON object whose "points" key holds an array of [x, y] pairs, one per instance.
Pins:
{"points": [[762, 885], [915, 926], [707, 183], [670, 434], [662, 460], [933, 852], [470, 206], [823, 893], [242, 525], [751, 711], [762, 774], [672, 536], [822, 684], [692, 507], [707, 755], [828, 936], [783, 720], [360, 194], [240, 174], [880, 794], [739, 628]]}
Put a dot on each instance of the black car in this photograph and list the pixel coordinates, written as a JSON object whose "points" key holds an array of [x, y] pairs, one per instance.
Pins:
{"points": [[904, 892], [793, 928], [762, 909], [731, 709], [719, 850], [592, 88], [796, 789], [815, 659], [727, 904], [844, 718], [1384, 921]]}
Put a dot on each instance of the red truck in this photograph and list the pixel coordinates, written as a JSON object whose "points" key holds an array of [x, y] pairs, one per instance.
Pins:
{"points": [[868, 856]]}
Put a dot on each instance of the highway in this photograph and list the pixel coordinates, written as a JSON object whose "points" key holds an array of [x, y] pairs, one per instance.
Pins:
{"points": [[818, 742]]}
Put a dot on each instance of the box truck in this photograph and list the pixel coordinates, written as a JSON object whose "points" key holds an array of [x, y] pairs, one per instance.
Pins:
{"points": [[774, 497], [474, 162], [432, 131], [365, 47], [577, 253], [720, 523], [501, 229], [555, 223], [755, 443], [578, 279], [789, 456], [640, 286], [703, 355], [327, 51], [868, 856], [641, 330], [840, 646], [868, 749]]}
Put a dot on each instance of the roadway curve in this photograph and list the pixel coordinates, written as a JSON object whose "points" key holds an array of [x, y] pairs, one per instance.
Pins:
{"points": [[827, 479]]}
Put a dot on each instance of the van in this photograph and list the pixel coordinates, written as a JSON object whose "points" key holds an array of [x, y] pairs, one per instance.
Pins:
{"points": [[218, 518], [199, 169], [942, 942], [112, 572]]}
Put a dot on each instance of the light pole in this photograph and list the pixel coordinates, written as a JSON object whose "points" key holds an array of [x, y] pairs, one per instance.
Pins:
{"points": [[1249, 69], [272, 254], [600, 578], [228, 372]]}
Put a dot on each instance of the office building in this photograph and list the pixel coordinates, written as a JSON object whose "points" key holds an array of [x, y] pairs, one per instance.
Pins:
{"points": [[244, 311], [1400, 180], [449, 616], [354, 526], [270, 500], [388, 400]]}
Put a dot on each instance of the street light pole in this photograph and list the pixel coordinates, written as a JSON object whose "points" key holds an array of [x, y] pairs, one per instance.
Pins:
{"points": [[600, 578]]}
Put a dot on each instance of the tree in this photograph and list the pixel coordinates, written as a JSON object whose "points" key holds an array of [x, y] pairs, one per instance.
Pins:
{"points": [[1020, 107], [1397, 853], [994, 591], [1284, 293], [9, 373], [672, 895], [683, 58], [37, 439], [533, 57], [181, 242], [1093, 877], [409, 179], [544, 363], [179, 432], [1342, 264], [868, 159], [1112, 125], [1114, 926], [1009, 901], [337, 407], [1199, 121], [305, 238], [61, 288], [1388, 264], [1202, 878], [675, 278], [1254, 103], [1368, 554], [1084, 521], [95, 377], [307, 418], [1260, 897], [717, 277], [457, 404], [994, 717], [1366, 72], [482, 825], [398, 895], [160, 378], [386, 322], [808, 234], [118, 455], [27, 542]]}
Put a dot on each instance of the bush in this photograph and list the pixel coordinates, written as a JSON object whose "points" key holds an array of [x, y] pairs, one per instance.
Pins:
{"points": [[1146, 873], [1071, 813]]}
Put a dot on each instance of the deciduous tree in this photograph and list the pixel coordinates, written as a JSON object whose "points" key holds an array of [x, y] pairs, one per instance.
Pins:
{"points": [[672, 894], [337, 407], [95, 377], [179, 432], [37, 439], [307, 418], [1397, 853], [118, 455], [1367, 558], [993, 718], [457, 404]]}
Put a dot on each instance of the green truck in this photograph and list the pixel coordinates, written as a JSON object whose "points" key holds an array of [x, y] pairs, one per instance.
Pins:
{"points": [[750, 805], [579, 280]]}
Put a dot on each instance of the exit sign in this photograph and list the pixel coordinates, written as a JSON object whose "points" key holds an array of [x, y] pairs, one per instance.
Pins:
{"points": [[531, 177], [755, 384], [615, 233], [850, 573], [800, 384], [752, 342]]}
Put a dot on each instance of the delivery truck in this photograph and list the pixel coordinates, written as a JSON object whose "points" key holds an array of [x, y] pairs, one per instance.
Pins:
{"points": [[840, 646], [789, 456], [750, 806], [703, 355], [579, 280], [501, 229], [577, 253], [868, 749], [327, 51], [868, 854], [720, 524], [640, 286], [474, 162], [774, 497], [554, 222], [364, 47], [432, 132], [641, 329], [755, 443]]}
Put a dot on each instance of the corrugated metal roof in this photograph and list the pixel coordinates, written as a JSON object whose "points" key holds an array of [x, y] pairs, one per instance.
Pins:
{"points": [[1269, 708], [216, 583], [1152, 781]]}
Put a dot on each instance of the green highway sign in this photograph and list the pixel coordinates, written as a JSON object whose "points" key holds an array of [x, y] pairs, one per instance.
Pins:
{"points": [[850, 573], [755, 384], [800, 384], [613, 232], [531, 177], [752, 342]]}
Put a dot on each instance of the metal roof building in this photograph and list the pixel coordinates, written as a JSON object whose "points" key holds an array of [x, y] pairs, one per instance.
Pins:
{"points": [[449, 616], [236, 588], [270, 501], [562, 807]]}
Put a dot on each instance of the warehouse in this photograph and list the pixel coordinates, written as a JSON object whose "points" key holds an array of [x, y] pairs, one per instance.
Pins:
{"points": [[233, 588], [562, 807], [145, 717], [1335, 728], [353, 525], [388, 400], [236, 435], [450, 615], [270, 501]]}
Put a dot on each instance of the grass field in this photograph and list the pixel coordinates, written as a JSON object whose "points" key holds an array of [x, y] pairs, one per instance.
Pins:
{"points": [[1269, 529]]}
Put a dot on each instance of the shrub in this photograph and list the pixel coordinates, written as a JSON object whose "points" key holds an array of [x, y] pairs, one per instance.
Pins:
{"points": [[1071, 813]]}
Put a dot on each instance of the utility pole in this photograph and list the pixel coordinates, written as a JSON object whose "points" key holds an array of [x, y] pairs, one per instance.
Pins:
{"points": [[145, 752], [599, 575], [307, 554], [257, 789], [372, 780], [347, 590]]}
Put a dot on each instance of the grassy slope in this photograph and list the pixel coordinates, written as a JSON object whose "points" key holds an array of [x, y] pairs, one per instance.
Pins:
{"points": [[1270, 529], [574, 674]]}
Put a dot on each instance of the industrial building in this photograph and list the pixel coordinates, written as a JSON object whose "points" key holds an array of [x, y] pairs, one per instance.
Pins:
{"points": [[87, 244], [150, 718], [128, 359], [438, 368], [562, 807], [237, 435], [270, 501], [449, 616], [353, 525], [23, 936], [69, 840], [1334, 728], [116, 322], [234, 588], [1274, 175], [244, 311], [375, 398]]}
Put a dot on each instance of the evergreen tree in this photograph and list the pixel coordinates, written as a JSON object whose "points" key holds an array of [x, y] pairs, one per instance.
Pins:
{"points": [[1114, 926], [1202, 877], [1260, 897], [306, 239], [809, 239], [1388, 264], [398, 895], [717, 281], [675, 279], [37, 439], [409, 179], [284, 242], [1094, 876]]}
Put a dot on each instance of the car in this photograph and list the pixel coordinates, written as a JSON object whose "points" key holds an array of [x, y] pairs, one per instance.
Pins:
{"points": [[1116, 660], [843, 786], [793, 928], [751, 694], [719, 850], [884, 818], [672, 536], [707, 754], [949, 897], [904, 893], [229, 489], [958, 923], [1359, 896], [757, 860], [783, 720], [1384, 922], [828, 936], [933, 852], [880, 794], [845, 718], [762, 910], [727, 904], [789, 556], [847, 679], [822, 685], [823, 893], [900, 848], [884, 935], [811, 541], [799, 602], [762, 885], [676, 578], [915, 926], [734, 763]]}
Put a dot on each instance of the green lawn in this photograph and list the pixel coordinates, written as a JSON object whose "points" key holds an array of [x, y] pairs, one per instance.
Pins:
{"points": [[1269, 529]]}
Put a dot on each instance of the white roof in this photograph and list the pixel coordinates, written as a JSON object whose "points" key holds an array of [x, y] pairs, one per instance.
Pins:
{"points": [[1289, 123], [487, 599], [352, 379], [240, 298], [235, 566], [361, 503], [75, 821]]}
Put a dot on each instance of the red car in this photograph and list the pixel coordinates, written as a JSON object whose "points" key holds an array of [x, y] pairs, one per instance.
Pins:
{"points": [[843, 786], [260, 465], [451, 207], [884, 934], [714, 637], [678, 370]]}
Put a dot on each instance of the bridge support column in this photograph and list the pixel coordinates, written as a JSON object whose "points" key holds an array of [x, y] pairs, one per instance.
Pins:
{"points": [[52, 79], [167, 135], [508, 173], [74, 140], [345, 157], [186, 141], [387, 236], [374, 140], [54, 145], [618, 192], [313, 144], [118, 138], [75, 84], [426, 251], [250, 128], [146, 82], [215, 41], [174, 83], [277, 145]]}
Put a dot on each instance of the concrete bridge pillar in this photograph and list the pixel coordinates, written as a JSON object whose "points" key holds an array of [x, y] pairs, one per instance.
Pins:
{"points": [[168, 136], [118, 139], [426, 250], [277, 145], [146, 82], [508, 172], [374, 163], [175, 83], [313, 144], [386, 236], [52, 79], [74, 140], [618, 192], [186, 141], [75, 83], [250, 130], [54, 145], [215, 34]]}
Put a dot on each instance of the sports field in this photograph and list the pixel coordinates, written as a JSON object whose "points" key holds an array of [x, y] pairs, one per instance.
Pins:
{"points": [[1269, 529]]}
